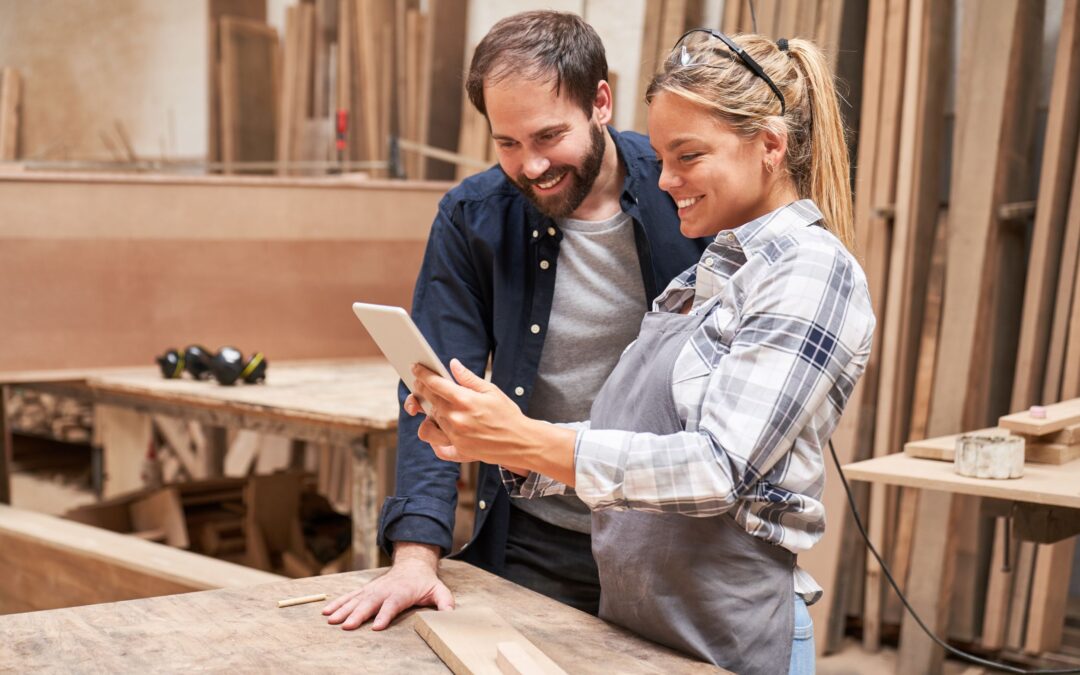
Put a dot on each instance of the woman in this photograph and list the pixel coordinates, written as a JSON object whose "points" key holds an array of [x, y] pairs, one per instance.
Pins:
{"points": [[703, 458]]}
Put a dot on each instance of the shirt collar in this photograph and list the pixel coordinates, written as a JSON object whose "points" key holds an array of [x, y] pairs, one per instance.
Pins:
{"points": [[762, 231]]}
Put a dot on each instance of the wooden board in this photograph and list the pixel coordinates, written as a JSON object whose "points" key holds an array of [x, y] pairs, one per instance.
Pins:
{"points": [[354, 395], [943, 448], [241, 629], [102, 274], [52, 562], [468, 641], [10, 92], [1058, 417], [1040, 484], [254, 10], [249, 91]]}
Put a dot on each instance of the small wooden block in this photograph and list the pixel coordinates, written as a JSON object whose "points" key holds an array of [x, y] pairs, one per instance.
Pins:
{"points": [[944, 447], [513, 660], [466, 640], [1050, 453], [1058, 417]]}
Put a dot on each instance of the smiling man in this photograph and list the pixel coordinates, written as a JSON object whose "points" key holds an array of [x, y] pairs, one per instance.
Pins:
{"points": [[545, 265]]}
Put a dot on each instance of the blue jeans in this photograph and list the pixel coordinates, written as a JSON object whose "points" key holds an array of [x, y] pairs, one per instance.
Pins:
{"points": [[802, 645]]}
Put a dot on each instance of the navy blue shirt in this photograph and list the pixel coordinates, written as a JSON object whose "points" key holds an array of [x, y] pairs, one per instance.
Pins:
{"points": [[481, 292]]}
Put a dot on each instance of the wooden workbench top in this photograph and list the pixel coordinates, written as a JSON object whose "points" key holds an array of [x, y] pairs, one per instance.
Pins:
{"points": [[349, 394], [1041, 483], [242, 630]]}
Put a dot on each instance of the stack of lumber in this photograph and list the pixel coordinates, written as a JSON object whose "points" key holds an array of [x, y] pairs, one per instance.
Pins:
{"points": [[254, 521], [49, 416], [378, 65], [974, 290]]}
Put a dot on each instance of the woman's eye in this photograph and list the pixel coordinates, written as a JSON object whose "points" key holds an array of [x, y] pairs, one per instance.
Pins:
{"points": [[689, 157]]}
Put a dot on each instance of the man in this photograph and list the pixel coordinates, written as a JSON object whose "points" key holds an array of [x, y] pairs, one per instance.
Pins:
{"points": [[546, 264]]}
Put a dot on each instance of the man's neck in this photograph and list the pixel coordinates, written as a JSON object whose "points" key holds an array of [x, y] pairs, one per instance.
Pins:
{"points": [[603, 200]]}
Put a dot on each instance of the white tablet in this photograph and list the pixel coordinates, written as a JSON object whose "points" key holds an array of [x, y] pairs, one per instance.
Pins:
{"points": [[400, 341]]}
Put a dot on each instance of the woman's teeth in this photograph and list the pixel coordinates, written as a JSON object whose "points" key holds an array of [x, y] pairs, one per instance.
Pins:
{"points": [[685, 203]]}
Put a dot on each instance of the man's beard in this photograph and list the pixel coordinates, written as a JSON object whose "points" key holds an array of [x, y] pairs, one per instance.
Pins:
{"points": [[582, 178]]}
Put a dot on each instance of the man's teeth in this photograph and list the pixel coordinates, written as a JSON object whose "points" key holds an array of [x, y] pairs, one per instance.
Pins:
{"points": [[551, 183], [683, 203]]}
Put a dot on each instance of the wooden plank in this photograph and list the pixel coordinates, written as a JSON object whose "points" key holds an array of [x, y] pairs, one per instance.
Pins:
{"points": [[5, 447], [841, 550], [1059, 161], [446, 88], [51, 562], [943, 448], [999, 586], [467, 640], [1064, 298], [651, 41], [249, 82], [161, 510], [254, 10], [290, 77], [125, 438], [1058, 417], [10, 93], [1040, 484], [1046, 614], [174, 633]]}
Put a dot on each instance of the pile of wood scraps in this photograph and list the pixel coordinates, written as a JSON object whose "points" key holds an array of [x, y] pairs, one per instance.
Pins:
{"points": [[270, 522], [46, 415]]}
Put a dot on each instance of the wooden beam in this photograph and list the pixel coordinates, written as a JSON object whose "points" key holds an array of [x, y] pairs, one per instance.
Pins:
{"points": [[51, 562]]}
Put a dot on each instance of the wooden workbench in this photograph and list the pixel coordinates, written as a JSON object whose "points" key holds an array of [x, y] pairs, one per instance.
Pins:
{"points": [[242, 630], [929, 588], [351, 403]]}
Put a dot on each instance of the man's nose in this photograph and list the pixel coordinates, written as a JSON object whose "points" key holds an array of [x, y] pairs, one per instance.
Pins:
{"points": [[535, 166]]}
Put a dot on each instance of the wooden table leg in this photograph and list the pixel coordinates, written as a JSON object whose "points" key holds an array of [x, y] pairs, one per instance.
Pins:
{"points": [[365, 509], [5, 449], [217, 443], [929, 587]]}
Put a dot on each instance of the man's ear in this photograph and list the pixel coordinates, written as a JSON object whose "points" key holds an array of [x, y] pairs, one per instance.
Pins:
{"points": [[603, 104]]}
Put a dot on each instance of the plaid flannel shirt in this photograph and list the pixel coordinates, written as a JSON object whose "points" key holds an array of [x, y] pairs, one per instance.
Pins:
{"points": [[760, 387]]}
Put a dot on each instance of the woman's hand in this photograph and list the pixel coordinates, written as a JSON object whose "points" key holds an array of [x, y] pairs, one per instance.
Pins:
{"points": [[473, 420]]}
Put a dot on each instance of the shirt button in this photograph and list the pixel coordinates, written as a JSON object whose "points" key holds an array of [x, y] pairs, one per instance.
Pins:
{"points": [[483, 505], [544, 264], [520, 391], [729, 236], [551, 231], [536, 233], [709, 262], [535, 328]]}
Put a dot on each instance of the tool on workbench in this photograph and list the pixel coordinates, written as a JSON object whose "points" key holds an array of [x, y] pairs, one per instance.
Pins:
{"points": [[197, 362], [171, 364], [228, 366], [290, 602]]}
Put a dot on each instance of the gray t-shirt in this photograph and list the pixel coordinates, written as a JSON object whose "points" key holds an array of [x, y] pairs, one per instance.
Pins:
{"points": [[596, 312]]}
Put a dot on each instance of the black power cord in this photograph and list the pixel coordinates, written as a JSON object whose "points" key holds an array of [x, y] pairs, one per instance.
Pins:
{"points": [[892, 582]]}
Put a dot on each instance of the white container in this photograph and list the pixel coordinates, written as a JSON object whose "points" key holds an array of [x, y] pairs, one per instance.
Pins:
{"points": [[997, 457]]}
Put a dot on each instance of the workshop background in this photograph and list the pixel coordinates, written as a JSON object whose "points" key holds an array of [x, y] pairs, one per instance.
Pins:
{"points": [[237, 172]]}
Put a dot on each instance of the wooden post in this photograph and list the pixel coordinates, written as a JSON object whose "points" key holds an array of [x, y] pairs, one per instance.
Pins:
{"points": [[365, 510], [217, 444], [5, 449]]}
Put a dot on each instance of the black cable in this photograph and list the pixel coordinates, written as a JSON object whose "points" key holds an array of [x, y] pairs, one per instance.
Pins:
{"points": [[892, 582]]}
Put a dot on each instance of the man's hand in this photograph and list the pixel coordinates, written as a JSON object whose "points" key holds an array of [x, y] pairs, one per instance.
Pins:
{"points": [[412, 581]]}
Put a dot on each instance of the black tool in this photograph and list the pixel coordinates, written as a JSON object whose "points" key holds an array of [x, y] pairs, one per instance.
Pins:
{"points": [[171, 364], [229, 366], [197, 361]]}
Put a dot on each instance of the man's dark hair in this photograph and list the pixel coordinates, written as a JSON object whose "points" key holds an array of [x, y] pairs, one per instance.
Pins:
{"points": [[541, 44]]}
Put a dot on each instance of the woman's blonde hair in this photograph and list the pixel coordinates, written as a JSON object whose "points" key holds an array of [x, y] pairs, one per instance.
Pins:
{"points": [[817, 153]]}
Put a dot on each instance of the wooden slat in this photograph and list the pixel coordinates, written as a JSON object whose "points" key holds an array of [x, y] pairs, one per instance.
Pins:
{"points": [[652, 38], [249, 80], [10, 93], [446, 93], [1058, 417], [840, 547], [254, 10]]}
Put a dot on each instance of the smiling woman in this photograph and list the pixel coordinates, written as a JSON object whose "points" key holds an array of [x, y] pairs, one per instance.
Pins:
{"points": [[702, 459]]}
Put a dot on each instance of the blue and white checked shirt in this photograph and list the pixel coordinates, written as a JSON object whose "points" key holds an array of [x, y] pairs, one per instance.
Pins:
{"points": [[759, 387]]}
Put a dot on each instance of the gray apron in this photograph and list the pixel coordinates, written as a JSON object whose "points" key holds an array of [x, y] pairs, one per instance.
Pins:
{"points": [[703, 586]]}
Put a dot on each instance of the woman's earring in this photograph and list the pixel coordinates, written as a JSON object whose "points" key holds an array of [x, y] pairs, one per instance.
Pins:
{"points": [[770, 167]]}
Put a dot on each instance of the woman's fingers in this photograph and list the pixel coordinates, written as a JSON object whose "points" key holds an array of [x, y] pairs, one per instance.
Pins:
{"points": [[430, 433]]}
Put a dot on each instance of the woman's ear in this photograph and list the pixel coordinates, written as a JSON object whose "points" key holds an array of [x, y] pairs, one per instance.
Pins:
{"points": [[774, 147]]}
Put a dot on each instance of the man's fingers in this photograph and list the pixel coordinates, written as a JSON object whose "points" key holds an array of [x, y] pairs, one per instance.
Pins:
{"points": [[391, 607], [363, 610], [335, 604], [444, 599]]}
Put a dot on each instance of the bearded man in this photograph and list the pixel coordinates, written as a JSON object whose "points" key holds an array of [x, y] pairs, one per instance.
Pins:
{"points": [[545, 265]]}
